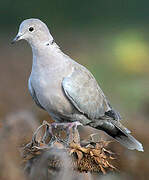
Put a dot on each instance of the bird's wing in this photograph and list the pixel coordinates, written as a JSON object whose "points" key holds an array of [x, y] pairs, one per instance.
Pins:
{"points": [[33, 94], [84, 93]]}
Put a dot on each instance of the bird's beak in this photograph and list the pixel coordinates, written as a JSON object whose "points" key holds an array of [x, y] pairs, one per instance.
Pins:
{"points": [[17, 38]]}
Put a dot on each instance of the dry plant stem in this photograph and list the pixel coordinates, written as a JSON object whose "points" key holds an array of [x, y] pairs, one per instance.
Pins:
{"points": [[61, 143]]}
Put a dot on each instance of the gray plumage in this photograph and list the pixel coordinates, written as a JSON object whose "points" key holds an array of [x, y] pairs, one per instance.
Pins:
{"points": [[66, 89]]}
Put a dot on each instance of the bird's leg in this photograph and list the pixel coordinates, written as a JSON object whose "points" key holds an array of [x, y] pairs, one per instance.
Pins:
{"points": [[65, 125], [74, 125], [70, 129], [72, 132]]}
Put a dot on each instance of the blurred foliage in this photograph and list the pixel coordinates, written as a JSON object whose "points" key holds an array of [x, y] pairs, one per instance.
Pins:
{"points": [[75, 13], [132, 52]]}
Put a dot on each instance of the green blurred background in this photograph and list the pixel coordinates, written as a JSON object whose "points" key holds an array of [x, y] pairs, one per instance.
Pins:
{"points": [[109, 37]]}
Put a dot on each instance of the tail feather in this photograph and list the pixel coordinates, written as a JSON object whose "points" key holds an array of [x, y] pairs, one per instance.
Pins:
{"points": [[116, 130]]}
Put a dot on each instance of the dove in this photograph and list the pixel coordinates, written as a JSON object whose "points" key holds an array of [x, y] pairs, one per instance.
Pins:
{"points": [[66, 89]]}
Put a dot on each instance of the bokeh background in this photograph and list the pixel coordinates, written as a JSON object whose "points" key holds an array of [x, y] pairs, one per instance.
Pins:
{"points": [[111, 38]]}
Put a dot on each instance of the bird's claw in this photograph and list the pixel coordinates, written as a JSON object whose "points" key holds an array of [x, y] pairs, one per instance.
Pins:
{"points": [[67, 125]]}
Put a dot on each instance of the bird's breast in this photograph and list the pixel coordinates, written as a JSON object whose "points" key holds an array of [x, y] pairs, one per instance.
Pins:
{"points": [[50, 94]]}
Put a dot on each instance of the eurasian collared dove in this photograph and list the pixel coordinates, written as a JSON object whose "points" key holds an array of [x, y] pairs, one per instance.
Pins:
{"points": [[66, 89]]}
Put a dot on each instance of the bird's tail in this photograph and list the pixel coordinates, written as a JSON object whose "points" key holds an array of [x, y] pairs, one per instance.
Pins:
{"points": [[116, 130]]}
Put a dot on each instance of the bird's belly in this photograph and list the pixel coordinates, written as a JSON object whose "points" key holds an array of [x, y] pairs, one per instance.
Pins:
{"points": [[53, 99]]}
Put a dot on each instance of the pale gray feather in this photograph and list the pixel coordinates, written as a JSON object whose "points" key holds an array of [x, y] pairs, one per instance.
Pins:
{"points": [[33, 94], [83, 91]]}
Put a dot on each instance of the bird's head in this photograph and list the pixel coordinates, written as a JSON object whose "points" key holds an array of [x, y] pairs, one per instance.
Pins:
{"points": [[34, 31]]}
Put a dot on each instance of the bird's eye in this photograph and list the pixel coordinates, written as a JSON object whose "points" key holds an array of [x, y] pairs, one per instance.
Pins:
{"points": [[31, 29]]}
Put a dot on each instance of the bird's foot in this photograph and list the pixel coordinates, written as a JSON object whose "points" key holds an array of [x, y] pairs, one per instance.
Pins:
{"points": [[74, 125], [66, 125], [70, 129]]}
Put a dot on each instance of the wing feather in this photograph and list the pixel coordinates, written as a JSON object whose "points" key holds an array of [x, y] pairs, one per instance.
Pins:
{"points": [[84, 93]]}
